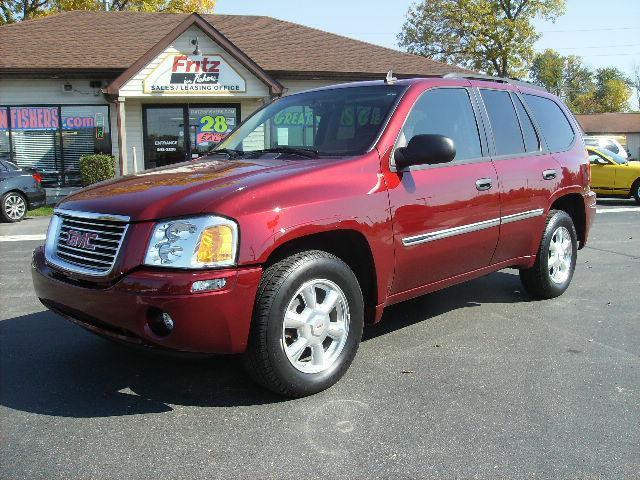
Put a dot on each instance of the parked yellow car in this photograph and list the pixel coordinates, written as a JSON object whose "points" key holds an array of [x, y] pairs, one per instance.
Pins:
{"points": [[613, 175]]}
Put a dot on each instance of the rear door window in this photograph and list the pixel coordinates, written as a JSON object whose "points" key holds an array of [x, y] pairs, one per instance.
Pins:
{"points": [[531, 142], [552, 121], [448, 112], [504, 122]]}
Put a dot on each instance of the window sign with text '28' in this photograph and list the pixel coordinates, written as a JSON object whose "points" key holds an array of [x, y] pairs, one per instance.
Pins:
{"points": [[209, 125], [201, 74]]}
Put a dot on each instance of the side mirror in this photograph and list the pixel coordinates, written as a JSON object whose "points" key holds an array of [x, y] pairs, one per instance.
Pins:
{"points": [[425, 149]]}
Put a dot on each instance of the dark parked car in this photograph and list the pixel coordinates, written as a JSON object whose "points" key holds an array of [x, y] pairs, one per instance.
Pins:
{"points": [[20, 191]]}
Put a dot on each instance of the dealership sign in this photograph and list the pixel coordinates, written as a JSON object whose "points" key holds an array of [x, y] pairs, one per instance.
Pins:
{"points": [[204, 74], [47, 118]]}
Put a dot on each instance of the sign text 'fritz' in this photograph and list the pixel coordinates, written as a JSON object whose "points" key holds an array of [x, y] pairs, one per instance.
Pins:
{"points": [[201, 74]]}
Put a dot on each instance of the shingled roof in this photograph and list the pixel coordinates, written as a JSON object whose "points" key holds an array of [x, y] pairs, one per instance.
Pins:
{"points": [[610, 122], [110, 42]]}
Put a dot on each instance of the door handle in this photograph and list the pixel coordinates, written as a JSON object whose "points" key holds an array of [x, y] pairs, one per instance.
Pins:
{"points": [[549, 174], [484, 184]]}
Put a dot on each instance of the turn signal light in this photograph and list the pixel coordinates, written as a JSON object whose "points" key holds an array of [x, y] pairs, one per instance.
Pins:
{"points": [[216, 244]]}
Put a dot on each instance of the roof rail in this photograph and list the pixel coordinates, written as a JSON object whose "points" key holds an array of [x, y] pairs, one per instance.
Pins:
{"points": [[491, 78]]}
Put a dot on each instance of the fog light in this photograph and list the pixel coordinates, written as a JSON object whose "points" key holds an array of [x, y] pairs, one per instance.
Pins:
{"points": [[208, 285], [160, 323]]}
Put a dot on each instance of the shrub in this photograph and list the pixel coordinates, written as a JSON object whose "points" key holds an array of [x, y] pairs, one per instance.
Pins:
{"points": [[96, 168]]}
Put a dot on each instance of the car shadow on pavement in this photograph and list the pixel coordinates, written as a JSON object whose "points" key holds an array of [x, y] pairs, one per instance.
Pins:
{"points": [[52, 367], [499, 287]]}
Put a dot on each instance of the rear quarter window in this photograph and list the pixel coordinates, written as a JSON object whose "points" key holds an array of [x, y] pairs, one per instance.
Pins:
{"points": [[552, 121]]}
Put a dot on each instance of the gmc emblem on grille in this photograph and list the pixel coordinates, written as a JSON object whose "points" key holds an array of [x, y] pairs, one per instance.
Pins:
{"points": [[74, 238]]}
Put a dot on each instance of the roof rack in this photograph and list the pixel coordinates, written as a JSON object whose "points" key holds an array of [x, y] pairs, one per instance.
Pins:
{"points": [[491, 78]]}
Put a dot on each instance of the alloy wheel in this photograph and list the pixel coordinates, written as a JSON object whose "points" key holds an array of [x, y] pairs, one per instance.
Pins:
{"points": [[560, 255], [315, 326], [14, 206]]}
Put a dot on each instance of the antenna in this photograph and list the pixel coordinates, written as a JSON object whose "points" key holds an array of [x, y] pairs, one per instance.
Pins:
{"points": [[390, 79]]}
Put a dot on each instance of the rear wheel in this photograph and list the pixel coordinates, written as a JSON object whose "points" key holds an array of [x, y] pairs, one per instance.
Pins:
{"points": [[555, 262], [13, 207], [307, 324]]}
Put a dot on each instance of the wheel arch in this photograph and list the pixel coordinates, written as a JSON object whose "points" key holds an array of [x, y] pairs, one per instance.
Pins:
{"points": [[351, 246], [573, 205]]}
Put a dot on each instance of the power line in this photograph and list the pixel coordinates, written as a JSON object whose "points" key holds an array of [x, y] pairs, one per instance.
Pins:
{"points": [[606, 29], [609, 54], [599, 46]]}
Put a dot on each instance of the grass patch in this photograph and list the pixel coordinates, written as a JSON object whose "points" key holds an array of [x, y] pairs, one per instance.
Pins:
{"points": [[41, 212]]}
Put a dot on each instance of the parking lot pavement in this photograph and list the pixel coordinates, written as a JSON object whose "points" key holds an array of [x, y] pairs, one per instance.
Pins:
{"points": [[475, 381]]}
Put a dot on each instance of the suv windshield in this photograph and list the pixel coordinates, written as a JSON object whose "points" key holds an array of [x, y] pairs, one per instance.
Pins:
{"points": [[339, 121]]}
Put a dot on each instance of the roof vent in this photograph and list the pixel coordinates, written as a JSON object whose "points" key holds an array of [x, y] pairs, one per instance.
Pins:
{"points": [[390, 79]]}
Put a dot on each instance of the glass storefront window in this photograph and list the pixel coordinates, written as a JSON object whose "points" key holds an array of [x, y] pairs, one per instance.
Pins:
{"points": [[85, 130], [35, 137], [52, 138], [5, 144], [208, 126]]}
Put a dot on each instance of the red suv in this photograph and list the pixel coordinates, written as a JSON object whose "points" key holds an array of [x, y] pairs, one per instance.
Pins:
{"points": [[317, 212]]}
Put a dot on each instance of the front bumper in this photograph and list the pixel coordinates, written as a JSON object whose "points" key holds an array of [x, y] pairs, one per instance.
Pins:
{"points": [[211, 322]]}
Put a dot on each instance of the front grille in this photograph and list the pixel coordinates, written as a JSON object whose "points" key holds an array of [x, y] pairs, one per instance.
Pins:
{"points": [[89, 243]]}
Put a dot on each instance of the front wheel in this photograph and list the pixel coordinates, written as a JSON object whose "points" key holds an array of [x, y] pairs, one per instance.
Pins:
{"points": [[307, 324], [555, 262]]}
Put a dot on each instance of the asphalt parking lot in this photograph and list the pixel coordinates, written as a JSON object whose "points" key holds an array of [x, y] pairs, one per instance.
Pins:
{"points": [[475, 381]]}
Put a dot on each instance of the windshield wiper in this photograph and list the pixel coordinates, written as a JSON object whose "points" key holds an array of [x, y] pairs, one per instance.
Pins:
{"points": [[226, 151], [303, 152]]}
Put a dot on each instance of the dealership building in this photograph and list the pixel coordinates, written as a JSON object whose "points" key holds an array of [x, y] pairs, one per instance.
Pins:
{"points": [[154, 89]]}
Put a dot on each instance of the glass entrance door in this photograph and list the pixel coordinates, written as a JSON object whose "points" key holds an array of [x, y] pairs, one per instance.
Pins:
{"points": [[177, 133], [164, 139]]}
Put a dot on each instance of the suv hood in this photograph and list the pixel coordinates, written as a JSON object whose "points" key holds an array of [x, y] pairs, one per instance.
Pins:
{"points": [[181, 189]]}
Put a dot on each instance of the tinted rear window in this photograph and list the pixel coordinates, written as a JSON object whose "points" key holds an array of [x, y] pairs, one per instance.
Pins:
{"points": [[553, 123], [531, 142], [504, 122]]}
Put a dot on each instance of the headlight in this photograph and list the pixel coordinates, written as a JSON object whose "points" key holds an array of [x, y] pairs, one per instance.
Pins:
{"points": [[195, 242]]}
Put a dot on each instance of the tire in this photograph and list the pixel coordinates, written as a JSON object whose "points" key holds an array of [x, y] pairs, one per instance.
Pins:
{"points": [[290, 287], [635, 191], [13, 207], [548, 279]]}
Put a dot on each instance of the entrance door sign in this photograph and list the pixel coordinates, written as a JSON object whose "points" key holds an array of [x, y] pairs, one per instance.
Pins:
{"points": [[201, 74]]}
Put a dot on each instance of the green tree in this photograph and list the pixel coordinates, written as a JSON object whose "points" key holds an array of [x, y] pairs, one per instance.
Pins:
{"points": [[548, 70], [606, 90], [613, 90], [17, 10], [578, 80], [493, 36]]}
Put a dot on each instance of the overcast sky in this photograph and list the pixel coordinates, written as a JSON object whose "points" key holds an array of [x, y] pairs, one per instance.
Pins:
{"points": [[604, 33]]}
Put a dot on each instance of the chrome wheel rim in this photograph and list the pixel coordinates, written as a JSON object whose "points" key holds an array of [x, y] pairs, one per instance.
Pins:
{"points": [[315, 326], [14, 206], [560, 255]]}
